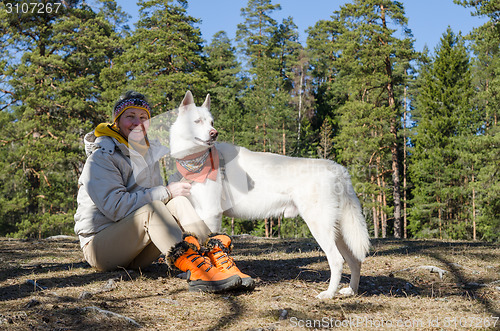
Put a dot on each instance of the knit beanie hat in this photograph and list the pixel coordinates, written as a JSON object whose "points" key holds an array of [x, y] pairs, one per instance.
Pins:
{"points": [[131, 99]]}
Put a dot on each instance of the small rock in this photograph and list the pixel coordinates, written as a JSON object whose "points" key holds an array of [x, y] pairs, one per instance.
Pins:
{"points": [[109, 286], [283, 314], [170, 301], [63, 237], [85, 295]]}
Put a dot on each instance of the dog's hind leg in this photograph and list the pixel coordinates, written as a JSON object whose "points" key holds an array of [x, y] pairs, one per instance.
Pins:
{"points": [[354, 266], [323, 231], [335, 261]]}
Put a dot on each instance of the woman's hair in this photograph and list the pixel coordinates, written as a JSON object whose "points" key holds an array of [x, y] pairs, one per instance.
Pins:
{"points": [[128, 100]]}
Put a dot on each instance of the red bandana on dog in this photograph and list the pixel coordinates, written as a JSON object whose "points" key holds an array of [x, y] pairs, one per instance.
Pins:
{"points": [[200, 166]]}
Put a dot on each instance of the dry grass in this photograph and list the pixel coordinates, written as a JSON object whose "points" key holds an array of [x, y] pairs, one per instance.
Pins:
{"points": [[394, 291]]}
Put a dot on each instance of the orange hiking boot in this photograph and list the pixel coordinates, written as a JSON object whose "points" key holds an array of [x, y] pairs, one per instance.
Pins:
{"points": [[201, 274], [219, 246]]}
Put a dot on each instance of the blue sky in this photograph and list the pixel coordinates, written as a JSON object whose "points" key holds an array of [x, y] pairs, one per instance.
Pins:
{"points": [[428, 19]]}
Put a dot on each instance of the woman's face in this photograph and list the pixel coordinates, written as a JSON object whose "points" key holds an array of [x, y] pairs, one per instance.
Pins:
{"points": [[133, 123]]}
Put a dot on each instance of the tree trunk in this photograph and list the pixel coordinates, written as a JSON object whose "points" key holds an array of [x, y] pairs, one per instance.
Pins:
{"points": [[284, 139], [375, 216], [374, 210], [279, 227], [32, 207], [395, 173], [473, 207], [440, 217], [405, 222], [384, 214], [380, 198], [394, 145], [300, 106], [265, 136]]}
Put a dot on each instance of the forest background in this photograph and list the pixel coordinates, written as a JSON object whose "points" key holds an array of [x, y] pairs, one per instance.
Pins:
{"points": [[418, 131]]}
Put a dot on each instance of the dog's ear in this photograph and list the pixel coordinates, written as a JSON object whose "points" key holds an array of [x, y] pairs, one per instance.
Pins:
{"points": [[188, 100], [206, 104]]}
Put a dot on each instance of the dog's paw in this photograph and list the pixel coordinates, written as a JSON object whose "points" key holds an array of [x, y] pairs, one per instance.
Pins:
{"points": [[347, 291], [325, 295]]}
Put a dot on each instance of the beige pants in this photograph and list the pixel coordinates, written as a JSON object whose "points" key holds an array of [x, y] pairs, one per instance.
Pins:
{"points": [[138, 239]]}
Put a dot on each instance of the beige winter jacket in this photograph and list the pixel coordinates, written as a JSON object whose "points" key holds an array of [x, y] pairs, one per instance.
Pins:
{"points": [[115, 181]]}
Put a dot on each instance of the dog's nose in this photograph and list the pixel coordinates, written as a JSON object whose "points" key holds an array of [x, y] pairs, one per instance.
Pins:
{"points": [[213, 134]]}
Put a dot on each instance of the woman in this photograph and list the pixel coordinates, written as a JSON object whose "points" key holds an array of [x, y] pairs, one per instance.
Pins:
{"points": [[126, 217]]}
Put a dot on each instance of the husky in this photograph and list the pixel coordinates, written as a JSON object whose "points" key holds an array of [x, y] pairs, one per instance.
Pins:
{"points": [[256, 185]]}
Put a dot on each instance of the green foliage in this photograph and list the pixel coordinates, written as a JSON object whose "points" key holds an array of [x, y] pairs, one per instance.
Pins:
{"points": [[490, 8], [271, 51], [361, 71], [441, 164], [290, 227], [225, 87], [45, 225], [162, 58], [240, 226], [484, 151], [294, 228], [325, 147]]}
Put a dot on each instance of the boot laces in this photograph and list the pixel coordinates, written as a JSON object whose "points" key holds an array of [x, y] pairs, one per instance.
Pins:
{"points": [[224, 258], [205, 260]]}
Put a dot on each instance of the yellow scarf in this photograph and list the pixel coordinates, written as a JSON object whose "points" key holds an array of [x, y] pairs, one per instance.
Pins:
{"points": [[111, 130]]}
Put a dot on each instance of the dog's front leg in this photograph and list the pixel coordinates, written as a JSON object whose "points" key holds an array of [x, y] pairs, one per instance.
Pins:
{"points": [[214, 222], [209, 213]]}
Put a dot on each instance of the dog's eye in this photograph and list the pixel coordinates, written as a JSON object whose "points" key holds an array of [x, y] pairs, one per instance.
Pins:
{"points": [[198, 121], [212, 123]]}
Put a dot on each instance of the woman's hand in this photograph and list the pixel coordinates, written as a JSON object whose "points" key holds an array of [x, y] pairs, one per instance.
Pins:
{"points": [[179, 189]]}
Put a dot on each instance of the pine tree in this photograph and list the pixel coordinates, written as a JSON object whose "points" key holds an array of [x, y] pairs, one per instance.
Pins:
{"points": [[443, 118], [225, 89], [269, 50], [486, 45], [325, 148], [162, 58], [483, 146], [490, 8], [363, 66], [327, 94], [303, 100], [322, 50]]}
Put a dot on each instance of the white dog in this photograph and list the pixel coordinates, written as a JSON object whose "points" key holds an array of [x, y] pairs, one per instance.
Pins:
{"points": [[253, 185]]}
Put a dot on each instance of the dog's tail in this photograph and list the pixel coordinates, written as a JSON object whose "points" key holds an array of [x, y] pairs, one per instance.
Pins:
{"points": [[353, 225]]}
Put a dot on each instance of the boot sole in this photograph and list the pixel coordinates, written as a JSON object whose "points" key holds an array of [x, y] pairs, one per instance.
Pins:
{"points": [[247, 283], [227, 284]]}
